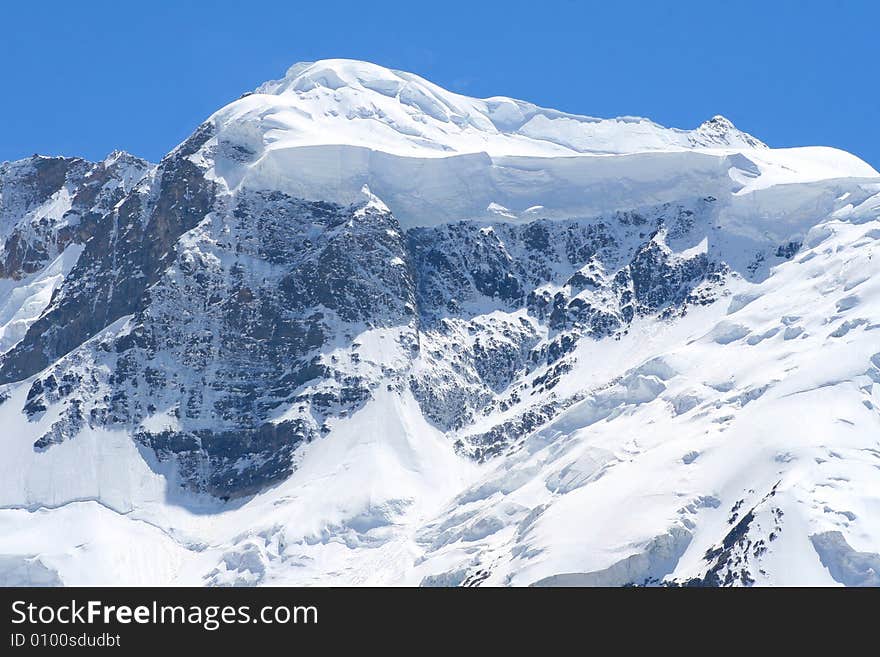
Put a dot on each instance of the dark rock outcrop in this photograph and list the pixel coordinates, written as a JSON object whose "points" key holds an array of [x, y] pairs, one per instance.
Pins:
{"points": [[224, 329]]}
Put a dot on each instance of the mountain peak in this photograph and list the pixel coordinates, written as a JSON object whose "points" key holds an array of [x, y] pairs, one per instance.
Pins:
{"points": [[720, 120], [273, 377], [334, 74], [328, 127], [121, 157], [719, 131], [356, 103]]}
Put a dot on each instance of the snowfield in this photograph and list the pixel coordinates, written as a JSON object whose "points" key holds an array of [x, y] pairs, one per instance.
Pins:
{"points": [[729, 435]]}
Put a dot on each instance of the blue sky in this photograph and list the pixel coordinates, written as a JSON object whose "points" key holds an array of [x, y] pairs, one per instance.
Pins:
{"points": [[83, 78]]}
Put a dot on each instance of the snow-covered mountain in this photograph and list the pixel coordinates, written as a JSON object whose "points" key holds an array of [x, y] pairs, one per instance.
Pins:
{"points": [[360, 329]]}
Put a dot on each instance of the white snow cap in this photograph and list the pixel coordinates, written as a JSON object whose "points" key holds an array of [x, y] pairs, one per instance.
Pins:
{"points": [[409, 115], [720, 131], [433, 156]]}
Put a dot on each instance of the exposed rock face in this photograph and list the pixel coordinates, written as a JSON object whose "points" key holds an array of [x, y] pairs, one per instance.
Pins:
{"points": [[242, 306], [25, 186], [131, 247], [248, 308], [49, 203], [238, 320], [557, 282]]}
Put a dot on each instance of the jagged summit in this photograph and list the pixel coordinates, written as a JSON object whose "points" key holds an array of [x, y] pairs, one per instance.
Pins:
{"points": [[720, 131], [116, 156], [121, 156]]}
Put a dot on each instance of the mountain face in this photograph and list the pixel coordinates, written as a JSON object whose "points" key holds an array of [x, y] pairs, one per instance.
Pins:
{"points": [[359, 329]]}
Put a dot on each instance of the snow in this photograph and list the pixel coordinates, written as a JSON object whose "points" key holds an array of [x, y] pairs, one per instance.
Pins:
{"points": [[22, 302], [339, 101], [764, 405], [356, 490], [626, 484], [435, 156]]}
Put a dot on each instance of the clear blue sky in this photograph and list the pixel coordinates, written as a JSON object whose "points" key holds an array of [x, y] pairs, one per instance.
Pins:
{"points": [[83, 78]]}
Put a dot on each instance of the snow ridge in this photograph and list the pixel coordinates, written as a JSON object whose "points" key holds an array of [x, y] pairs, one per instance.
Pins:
{"points": [[431, 120]]}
